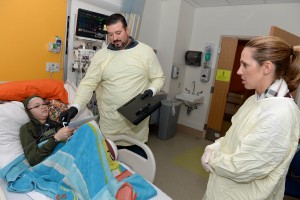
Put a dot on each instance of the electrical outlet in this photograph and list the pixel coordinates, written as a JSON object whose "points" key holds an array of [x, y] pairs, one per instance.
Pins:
{"points": [[52, 67]]}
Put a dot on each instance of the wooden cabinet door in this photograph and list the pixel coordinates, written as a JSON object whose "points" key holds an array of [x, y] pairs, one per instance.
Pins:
{"points": [[220, 88], [285, 35], [290, 38]]}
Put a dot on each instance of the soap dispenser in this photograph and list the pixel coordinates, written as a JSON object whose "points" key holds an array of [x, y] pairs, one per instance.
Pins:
{"points": [[205, 74], [175, 72]]}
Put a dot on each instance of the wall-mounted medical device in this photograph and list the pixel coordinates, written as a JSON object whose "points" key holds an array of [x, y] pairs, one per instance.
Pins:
{"points": [[205, 74], [90, 25], [175, 72], [82, 58], [193, 58], [55, 46]]}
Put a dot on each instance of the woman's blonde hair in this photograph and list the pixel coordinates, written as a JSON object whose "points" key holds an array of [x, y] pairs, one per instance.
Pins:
{"points": [[286, 58]]}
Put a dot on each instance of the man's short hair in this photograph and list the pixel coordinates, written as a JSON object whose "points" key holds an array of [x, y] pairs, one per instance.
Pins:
{"points": [[114, 18]]}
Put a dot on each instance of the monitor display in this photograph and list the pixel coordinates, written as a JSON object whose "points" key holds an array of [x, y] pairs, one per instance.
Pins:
{"points": [[90, 25]]}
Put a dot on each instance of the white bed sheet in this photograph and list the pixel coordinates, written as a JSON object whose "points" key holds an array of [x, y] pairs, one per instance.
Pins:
{"points": [[38, 196]]}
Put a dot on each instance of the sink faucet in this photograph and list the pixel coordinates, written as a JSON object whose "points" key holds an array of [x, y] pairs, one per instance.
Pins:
{"points": [[194, 83], [198, 93], [187, 90]]}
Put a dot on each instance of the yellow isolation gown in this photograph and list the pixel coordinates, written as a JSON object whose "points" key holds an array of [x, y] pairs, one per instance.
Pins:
{"points": [[117, 77], [251, 161]]}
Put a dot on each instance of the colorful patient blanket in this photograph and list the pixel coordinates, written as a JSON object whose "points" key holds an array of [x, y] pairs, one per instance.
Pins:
{"points": [[79, 169]]}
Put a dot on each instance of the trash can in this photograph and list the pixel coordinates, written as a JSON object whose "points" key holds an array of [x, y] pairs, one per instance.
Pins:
{"points": [[154, 117], [169, 112]]}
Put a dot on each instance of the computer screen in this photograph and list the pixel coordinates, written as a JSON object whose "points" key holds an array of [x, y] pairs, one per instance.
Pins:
{"points": [[90, 25]]}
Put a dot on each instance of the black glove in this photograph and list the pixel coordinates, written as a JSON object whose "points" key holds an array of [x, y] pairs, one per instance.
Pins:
{"points": [[147, 93], [67, 115]]}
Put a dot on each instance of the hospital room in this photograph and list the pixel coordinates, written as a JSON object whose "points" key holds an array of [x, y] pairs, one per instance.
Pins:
{"points": [[207, 130]]}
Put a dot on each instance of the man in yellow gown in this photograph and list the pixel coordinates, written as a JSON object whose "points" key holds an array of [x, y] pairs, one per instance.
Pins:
{"points": [[118, 73]]}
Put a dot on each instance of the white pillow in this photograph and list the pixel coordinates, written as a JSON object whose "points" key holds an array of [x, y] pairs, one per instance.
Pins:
{"points": [[12, 117], [71, 89]]}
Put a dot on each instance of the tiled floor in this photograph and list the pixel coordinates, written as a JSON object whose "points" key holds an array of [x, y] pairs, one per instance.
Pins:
{"points": [[179, 183]]}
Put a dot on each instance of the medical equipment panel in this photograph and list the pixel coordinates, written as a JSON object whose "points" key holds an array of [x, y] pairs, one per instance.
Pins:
{"points": [[90, 25]]}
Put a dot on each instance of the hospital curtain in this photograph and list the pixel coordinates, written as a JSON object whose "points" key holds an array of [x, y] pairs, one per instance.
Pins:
{"points": [[133, 10]]}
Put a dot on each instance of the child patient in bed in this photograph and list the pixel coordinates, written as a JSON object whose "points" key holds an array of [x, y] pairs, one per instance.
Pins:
{"points": [[40, 136], [78, 169]]}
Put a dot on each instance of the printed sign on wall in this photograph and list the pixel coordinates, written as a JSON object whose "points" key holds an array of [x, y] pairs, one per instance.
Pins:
{"points": [[223, 75]]}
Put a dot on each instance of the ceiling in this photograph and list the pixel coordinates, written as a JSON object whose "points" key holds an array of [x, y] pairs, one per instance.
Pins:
{"points": [[111, 5], [115, 5], [219, 3]]}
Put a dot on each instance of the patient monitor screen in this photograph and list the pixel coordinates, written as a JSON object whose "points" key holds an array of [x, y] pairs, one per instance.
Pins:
{"points": [[90, 25]]}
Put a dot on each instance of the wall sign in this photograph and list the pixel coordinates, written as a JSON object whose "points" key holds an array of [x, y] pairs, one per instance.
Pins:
{"points": [[223, 75]]}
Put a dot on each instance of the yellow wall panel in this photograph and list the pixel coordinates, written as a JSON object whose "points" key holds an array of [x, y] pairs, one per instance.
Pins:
{"points": [[26, 29]]}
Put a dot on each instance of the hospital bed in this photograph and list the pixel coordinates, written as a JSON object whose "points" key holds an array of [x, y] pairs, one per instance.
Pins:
{"points": [[128, 159]]}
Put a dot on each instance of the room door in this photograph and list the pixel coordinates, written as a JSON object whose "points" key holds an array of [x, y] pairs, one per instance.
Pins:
{"points": [[221, 87]]}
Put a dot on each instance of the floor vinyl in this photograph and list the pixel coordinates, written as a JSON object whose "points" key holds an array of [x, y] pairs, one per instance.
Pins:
{"points": [[178, 182]]}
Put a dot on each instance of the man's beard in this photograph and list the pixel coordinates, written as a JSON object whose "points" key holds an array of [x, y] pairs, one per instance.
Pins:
{"points": [[122, 46]]}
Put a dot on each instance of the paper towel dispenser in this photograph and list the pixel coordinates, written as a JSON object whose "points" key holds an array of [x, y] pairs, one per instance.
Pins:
{"points": [[193, 58]]}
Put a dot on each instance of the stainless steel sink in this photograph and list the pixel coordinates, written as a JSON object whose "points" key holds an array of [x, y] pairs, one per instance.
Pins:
{"points": [[190, 98]]}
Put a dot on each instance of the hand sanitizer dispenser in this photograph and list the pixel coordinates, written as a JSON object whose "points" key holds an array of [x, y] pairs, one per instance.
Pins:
{"points": [[175, 72], [205, 74]]}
